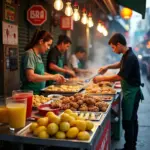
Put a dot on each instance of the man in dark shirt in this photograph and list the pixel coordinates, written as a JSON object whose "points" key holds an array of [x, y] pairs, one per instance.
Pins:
{"points": [[56, 60], [129, 75], [129, 69]]}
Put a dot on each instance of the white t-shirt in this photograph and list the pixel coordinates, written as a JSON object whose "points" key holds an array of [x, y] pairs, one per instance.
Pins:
{"points": [[74, 61]]}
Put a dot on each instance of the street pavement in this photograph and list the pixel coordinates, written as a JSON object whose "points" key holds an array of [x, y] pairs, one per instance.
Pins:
{"points": [[143, 142]]}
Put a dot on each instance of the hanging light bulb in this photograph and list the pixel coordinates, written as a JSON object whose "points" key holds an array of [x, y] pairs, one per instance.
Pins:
{"points": [[105, 33], [90, 21], [84, 18], [76, 15], [99, 27], [102, 29], [68, 9], [58, 5]]}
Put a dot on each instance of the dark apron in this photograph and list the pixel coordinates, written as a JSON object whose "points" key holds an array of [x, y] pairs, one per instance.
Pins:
{"points": [[36, 86], [59, 64], [129, 94]]}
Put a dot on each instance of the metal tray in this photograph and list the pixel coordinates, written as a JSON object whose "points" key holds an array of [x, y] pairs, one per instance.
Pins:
{"points": [[98, 94], [25, 132], [62, 92], [107, 97]]}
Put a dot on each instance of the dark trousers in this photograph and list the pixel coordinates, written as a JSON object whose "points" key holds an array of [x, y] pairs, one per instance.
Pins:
{"points": [[131, 127]]}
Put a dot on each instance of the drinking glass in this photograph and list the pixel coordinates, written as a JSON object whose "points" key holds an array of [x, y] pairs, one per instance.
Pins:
{"points": [[16, 112], [17, 94]]}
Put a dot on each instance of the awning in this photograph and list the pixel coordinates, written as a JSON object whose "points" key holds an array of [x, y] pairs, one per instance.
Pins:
{"points": [[136, 5]]}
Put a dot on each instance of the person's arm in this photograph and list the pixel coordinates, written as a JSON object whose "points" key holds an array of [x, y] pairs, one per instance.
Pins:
{"points": [[112, 78], [69, 71], [114, 66], [54, 67], [77, 70], [33, 77], [66, 67], [45, 73], [104, 69], [123, 73]]}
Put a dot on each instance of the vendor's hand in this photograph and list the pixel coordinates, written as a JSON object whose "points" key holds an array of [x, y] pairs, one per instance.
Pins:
{"points": [[98, 79], [59, 78], [88, 71], [72, 73], [102, 70]]}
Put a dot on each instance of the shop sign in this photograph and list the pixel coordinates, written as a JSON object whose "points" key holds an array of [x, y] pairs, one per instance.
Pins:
{"points": [[10, 34], [10, 13], [104, 142], [66, 23], [36, 15]]}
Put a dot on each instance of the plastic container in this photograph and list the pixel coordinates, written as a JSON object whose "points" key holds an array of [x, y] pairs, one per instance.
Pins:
{"points": [[43, 109]]}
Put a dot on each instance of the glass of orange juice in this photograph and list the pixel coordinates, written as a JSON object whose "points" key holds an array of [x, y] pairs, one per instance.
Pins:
{"points": [[16, 112]]}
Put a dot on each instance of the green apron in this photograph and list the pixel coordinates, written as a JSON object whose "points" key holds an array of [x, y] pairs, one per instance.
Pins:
{"points": [[129, 95], [36, 86], [59, 64], [80, 65]]}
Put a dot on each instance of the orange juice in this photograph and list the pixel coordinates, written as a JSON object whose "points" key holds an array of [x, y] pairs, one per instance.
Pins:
{"points": [[3, 114], [16, 115]]}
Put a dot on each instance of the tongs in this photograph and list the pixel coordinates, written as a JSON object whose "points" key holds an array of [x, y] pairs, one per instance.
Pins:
{"points": [[88, 80]]}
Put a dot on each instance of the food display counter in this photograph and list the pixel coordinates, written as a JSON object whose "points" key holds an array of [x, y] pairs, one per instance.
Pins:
{"points": [[100, 137], [84, 105]]}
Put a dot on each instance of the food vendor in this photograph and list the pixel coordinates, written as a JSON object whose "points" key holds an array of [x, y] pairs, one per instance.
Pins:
{"points": [[32, 73], [129, 75], [75, 60], [56, 60]]}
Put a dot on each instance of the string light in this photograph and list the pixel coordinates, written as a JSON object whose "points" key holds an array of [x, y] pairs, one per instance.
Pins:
{"points": [[84, 18], [102, 29], [68, 9], [76, 15], [99, 27], [90, 21], [58, 5]]}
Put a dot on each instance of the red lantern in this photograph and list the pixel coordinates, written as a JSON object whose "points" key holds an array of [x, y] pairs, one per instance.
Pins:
{"points": [[126, 13]]}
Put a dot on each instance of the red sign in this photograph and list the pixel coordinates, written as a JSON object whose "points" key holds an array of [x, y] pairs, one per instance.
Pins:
{"points": [[66, 23], [36, 15], [104, 142]]}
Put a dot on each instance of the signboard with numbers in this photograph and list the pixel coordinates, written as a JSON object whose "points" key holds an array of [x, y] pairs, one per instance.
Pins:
{"points": [[36, 15]]}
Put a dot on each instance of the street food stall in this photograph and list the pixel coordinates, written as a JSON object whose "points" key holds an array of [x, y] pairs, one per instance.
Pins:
{"points": [[85, 101]]}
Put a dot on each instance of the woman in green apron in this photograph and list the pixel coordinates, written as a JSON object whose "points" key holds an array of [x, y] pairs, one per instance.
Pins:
{"points": [[75, 61], [32, 71], [129, 75], [56, 60]]}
